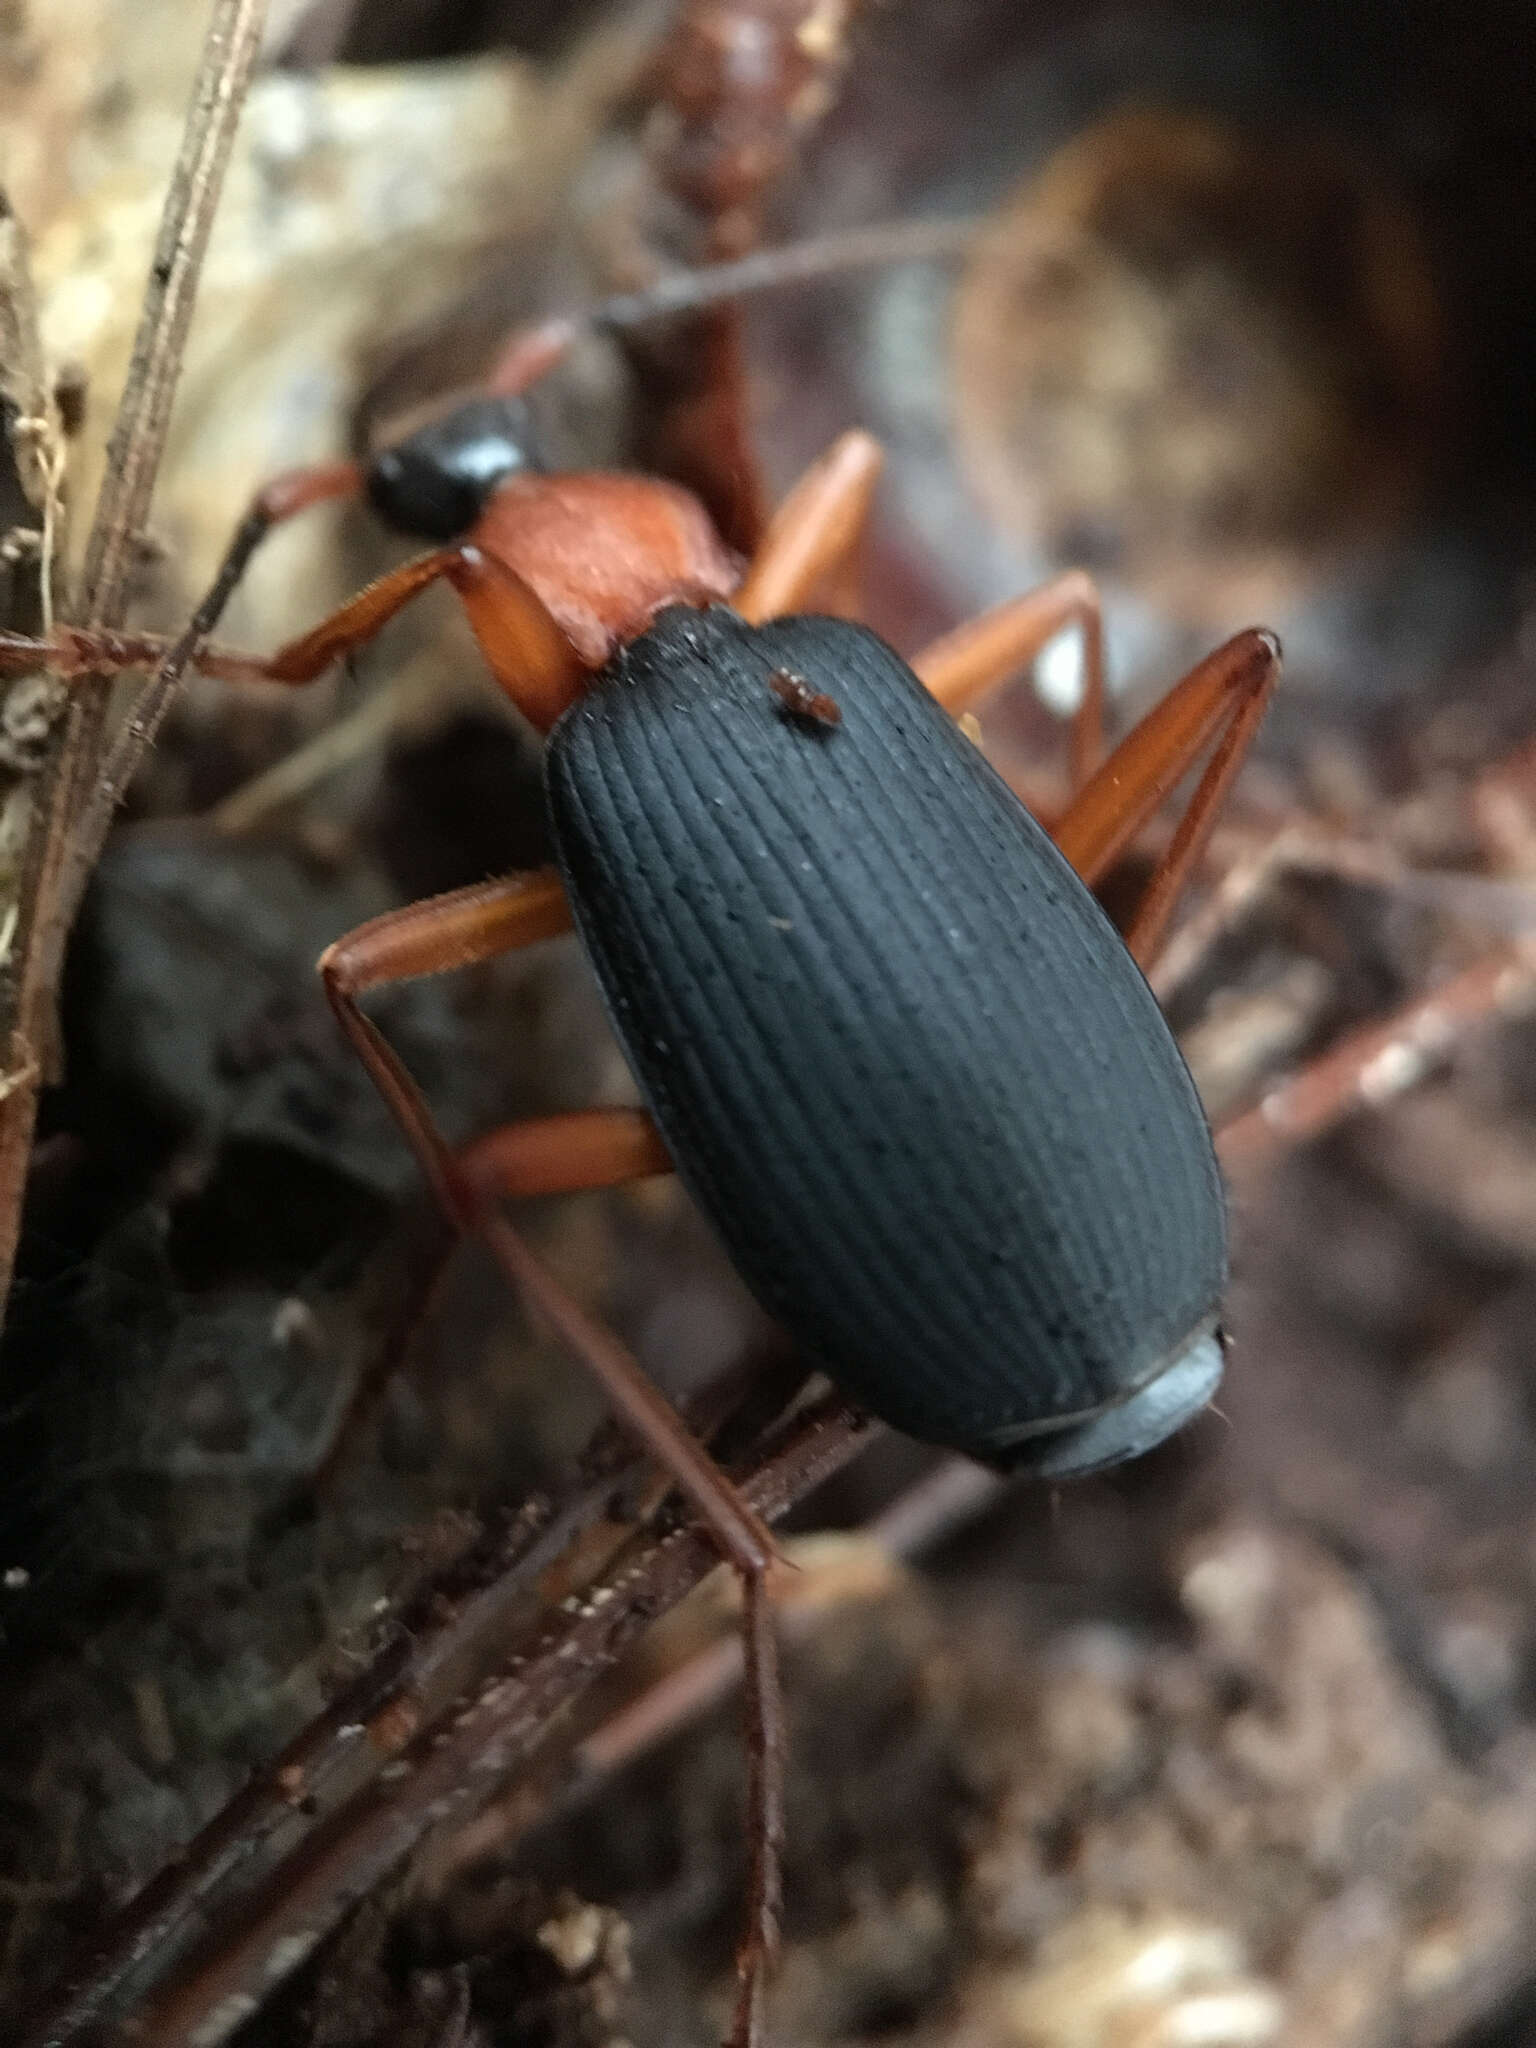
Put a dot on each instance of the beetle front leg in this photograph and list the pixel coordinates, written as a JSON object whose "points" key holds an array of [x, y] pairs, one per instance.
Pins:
{"points": [[76, 650], [966, 666], [73, 651]]}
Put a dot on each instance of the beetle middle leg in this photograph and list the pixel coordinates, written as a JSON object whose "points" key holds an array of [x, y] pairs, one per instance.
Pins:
{"points": [[600, 1148], [589, 1149], [471, 925]]}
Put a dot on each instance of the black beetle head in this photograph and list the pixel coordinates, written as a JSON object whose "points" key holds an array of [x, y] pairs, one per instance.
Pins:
{"points": [[434, 484], [1128, 1429]]}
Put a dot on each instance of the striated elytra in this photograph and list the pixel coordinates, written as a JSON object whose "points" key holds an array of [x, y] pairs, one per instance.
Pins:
{"points": [[900, 1056]]}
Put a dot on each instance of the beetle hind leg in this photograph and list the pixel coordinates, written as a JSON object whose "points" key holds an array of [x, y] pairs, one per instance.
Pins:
{"points": [[586, 1150], [597, 1148], [1222, 699], [767, 1754], [967, 665]]}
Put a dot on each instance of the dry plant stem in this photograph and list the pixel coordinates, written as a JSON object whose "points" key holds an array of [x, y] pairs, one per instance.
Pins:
{"points": [[473, 1602], [147, 713], [831, 255], [456, 1621], [1372, 1066], [33, 458], [465, 1604], [35, 455], [406, 696], [51, 878], [138, 438], [456, 1764]]}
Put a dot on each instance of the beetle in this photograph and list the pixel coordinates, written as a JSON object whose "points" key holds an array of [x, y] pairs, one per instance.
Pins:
{"points": [[883, 1031]]}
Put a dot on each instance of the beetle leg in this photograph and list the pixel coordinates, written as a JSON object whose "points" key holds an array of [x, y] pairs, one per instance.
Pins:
{"points": [[434, 937], [550, 1155], [476, 924], [280, 499], [563, 1155], [527, 652], [1224, 698], [814, 531], [968, 664], [597, 1148], [350, 626], [767, 1753], [453, 931], [74, 650]]}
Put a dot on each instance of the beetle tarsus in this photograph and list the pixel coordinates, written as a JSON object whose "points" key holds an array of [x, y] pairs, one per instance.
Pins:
{"points": [[767, 1750]]}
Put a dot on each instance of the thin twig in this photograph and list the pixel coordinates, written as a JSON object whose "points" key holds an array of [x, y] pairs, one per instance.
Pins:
{"points": [[456, 1622], [33, 458], [441, 1771], [467, 1602], [1371, 1066], [153, 699], [881, 246], [415, 689], [52, 878]]}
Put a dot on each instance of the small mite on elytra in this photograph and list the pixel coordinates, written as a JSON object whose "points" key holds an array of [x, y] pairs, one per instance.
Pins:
{"points": [[801, 701]]}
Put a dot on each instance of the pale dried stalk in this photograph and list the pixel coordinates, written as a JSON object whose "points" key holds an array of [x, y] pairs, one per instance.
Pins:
{"points": [[33, 463], [53, 868], [425, 1773]]}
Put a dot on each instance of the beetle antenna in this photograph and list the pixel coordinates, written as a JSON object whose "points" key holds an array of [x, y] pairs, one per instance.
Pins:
{"points": [[686, 291], [534, 350]]}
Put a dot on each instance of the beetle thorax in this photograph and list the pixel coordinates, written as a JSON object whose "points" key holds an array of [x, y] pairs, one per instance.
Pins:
{"points": [[604, 553]]}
